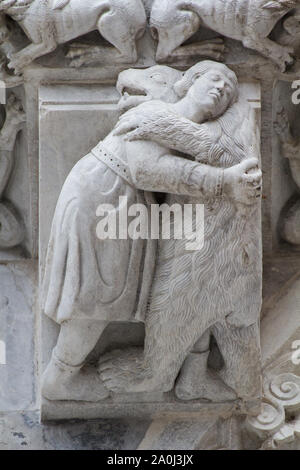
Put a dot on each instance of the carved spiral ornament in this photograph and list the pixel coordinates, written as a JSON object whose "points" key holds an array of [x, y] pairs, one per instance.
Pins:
{"points": [[270, 419], [286, 389]]}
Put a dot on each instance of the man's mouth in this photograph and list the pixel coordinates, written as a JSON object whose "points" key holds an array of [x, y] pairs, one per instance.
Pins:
{"points": [[216, 94]]}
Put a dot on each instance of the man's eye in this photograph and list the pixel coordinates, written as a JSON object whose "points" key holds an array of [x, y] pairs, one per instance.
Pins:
{"points": [[216, 78]]}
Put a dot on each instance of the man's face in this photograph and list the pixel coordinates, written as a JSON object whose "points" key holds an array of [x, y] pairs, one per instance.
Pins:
{"points": [[213, 91]]}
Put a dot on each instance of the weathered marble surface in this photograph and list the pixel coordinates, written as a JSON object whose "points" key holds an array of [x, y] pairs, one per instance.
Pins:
{"points": [[80, 68], [18, 378], [174, 23], [47, 25], [23, 426], [23, 431]]}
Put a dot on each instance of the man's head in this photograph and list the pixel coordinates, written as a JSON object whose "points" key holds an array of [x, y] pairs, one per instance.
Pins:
{"points": [[211, 85], [139, 85]]}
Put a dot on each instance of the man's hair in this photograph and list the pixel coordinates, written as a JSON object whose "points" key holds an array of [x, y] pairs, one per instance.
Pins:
{"points": [[183, 86]]}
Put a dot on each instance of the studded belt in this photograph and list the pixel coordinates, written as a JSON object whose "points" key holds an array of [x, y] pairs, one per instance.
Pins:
{"points": [[114, 163]]}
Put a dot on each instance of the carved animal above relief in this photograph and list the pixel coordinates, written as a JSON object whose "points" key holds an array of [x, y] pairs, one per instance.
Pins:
{"points": [[49, 23], [290, 36], [11, 226], [250, 21]]}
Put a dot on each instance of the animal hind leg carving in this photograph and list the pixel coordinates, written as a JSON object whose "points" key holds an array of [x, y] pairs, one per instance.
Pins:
{"points": [[20, 60], [280, 55]]}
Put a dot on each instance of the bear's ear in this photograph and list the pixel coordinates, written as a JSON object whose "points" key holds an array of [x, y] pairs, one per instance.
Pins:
{"points": [[180, 86], [60, 4]]}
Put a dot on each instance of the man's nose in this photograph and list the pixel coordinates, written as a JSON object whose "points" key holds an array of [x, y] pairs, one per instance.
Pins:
{"points": [[221, 85]]}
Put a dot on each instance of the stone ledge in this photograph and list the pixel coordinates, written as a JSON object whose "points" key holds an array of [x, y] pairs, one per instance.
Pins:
{"points": [[59, 410]]}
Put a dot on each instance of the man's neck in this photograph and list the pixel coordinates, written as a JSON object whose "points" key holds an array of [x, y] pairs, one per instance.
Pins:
{"points": [[190, 110]]}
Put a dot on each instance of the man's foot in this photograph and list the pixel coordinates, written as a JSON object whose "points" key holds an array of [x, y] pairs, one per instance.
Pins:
{"points": [[123, 371], [63, 382], [195, 382]]}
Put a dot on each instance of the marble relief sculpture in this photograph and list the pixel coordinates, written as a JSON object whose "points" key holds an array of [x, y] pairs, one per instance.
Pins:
{"points": [[123, 22], [90, 282], [150, 224], [11, 226], [48, 24], [173, 22]]}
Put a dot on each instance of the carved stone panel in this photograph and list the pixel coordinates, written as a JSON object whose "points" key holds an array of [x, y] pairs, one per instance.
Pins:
{"points": [[69, 107]]}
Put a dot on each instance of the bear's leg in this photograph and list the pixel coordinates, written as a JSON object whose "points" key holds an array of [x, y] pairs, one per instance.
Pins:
{"points": [[167, 344], [280, 55], [240, 350], [124, 43], [65, 378]]}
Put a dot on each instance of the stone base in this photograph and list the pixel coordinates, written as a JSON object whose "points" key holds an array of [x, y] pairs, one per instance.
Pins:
{"points": [[151, 405]]}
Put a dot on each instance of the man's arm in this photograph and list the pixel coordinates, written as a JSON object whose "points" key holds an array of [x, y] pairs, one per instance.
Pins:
{"points": [[171, 174], [157, 124]]}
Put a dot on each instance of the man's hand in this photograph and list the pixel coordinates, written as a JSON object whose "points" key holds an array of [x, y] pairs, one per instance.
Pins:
{"points": [[243, 182], [140, 124]]}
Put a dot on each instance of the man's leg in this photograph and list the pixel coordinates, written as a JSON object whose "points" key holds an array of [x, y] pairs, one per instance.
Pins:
{"points": [[64, 377]]}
